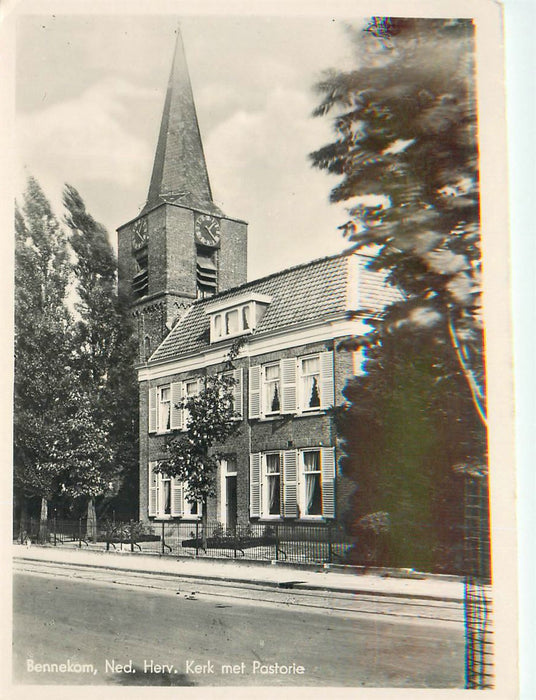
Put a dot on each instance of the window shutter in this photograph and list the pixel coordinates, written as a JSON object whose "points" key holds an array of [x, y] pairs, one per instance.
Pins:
{"points": [[237, 391], [176, 411], [255, 485], [255, 392], [327, 385], [176, 497], [290, 484], [185, 411], [153, 490], [328, 482], [152, 410], [288, 385]]}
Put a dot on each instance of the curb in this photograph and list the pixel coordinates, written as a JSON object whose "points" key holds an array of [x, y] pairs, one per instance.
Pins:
{"points": [[282, 585], [352, 569]]}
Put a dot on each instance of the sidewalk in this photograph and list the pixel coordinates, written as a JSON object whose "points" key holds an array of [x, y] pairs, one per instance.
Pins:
{"points": [[277, 576]]}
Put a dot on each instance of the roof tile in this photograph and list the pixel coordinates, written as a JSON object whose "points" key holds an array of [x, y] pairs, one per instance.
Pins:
{"points": [[300, 294]]}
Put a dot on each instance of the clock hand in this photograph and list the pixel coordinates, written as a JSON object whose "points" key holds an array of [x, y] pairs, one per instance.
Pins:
{"points": [[209, 233]]}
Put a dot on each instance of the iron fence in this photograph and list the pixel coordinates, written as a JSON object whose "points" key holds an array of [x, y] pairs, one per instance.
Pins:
{"points": [[300, 543]]}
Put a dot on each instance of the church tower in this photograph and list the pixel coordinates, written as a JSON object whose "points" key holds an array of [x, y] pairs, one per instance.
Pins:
{"points": [[181, 246]]}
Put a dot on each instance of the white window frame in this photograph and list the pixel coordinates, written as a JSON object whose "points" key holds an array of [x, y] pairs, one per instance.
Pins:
{"points": [[252, 304], [301, 377], [159, 404], [161, 481], [264, 387], [265, 486], [302, 473], [187, 506], [219, 321]]}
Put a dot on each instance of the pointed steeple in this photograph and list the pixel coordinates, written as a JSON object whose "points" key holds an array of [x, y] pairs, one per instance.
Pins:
{"points": [[179, 170]]}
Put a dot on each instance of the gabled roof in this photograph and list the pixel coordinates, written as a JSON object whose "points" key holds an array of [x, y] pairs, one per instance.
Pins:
{"points": [[299, 295]]}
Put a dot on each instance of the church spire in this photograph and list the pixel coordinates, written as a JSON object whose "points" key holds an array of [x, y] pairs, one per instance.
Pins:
{"points": [[179, 170]]}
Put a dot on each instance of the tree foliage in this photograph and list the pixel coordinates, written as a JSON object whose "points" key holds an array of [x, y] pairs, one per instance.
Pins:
{"points": [[75, 390], [105, 347], [406, 152], [44, 373]]}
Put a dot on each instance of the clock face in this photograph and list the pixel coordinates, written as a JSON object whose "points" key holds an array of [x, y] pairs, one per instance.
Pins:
{"points": [[207, 230], [140, 233]]}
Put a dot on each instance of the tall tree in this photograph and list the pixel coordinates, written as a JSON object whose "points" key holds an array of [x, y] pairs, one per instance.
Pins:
{"points": [[106, 451], [406, 151], [43, 348]]}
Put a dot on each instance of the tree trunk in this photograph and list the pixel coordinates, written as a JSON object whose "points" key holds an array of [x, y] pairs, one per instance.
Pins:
{"points": [[91, 522], [43, 521], [23, 518]]}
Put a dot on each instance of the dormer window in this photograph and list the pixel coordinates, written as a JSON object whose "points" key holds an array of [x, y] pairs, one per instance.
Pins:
{"points": [[236, 316]]}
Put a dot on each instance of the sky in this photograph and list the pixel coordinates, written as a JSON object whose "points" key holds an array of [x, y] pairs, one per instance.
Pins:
{"points": [[89, 96]]}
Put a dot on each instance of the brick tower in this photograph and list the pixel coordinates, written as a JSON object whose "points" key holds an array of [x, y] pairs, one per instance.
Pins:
{"points": [[181, 246]]}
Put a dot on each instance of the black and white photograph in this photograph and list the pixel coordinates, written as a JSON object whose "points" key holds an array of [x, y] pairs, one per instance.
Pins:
{"points": [[262, 379]]}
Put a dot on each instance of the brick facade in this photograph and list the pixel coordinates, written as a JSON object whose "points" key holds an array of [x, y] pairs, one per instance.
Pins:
{"points": [[255, 435]]}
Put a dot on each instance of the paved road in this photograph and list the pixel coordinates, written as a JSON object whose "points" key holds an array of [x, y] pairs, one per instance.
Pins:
{"points": [[125, 633]]}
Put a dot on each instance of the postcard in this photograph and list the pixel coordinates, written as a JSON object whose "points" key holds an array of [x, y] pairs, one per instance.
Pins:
{"points": [[262, 381]]}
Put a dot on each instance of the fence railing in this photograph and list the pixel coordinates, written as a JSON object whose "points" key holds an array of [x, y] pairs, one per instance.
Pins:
{"points": [[292, 542]]}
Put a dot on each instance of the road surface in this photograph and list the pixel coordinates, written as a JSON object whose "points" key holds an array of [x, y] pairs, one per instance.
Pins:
{"points": [[114, 629]]}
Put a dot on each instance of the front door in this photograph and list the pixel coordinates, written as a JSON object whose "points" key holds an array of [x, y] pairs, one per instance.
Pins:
{"points": [[231, 507], [228, 499]]}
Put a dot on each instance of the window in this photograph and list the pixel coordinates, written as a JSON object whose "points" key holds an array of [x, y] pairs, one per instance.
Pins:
{"points": [[245, 317], [293, 483], [236, 316], [232, 319], [164, 409], [272, 505], [165, 413], [310, 383], [168, 497], [190, 508], [272, 389], [190, 388], [165, 495], [311, 492], [230, 323], [292, 385]]}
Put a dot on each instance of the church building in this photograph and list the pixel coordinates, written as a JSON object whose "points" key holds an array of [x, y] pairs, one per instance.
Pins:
{"points": [[184, 263]]}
